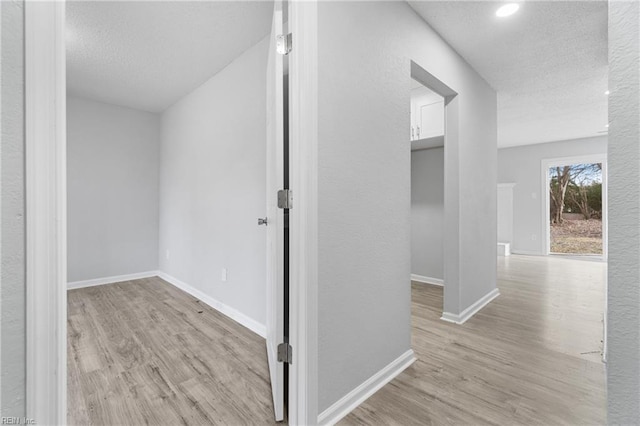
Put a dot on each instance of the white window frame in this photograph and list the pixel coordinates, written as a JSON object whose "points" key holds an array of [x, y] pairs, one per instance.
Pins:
{"points": [[545, 165]]}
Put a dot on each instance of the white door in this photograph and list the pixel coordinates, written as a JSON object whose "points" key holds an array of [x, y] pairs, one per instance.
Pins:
{"points": [[275, 216]]}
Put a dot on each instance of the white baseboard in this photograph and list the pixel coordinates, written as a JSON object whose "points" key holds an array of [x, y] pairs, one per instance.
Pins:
{"points": [[526, 252], [504, 249], [346, 404], [471, 310], [111, 280], [237, 316], [427, 280]]}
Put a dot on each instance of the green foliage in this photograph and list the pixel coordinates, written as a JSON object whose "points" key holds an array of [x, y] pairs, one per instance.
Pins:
{"points": [[594, 195], [594, 198]]}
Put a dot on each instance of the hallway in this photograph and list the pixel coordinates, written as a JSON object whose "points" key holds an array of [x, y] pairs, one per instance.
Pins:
{"points": [[532, 356]]}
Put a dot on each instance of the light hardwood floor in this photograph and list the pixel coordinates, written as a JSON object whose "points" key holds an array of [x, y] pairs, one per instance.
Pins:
{"points": [[531, 357], [145, 352]]}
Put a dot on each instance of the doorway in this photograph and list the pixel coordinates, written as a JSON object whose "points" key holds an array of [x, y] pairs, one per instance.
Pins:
{"points": [[440, 102], [427, 185], [576, 214], [576, 206], [56, 276]]}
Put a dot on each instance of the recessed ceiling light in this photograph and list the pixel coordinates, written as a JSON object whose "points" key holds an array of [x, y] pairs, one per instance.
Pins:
{"points": [[606, 125], [507, 10], [606, 93]]}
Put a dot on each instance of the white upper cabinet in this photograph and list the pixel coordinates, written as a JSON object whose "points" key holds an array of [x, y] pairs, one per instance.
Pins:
{"points": [[430, 120], [427, 114]]}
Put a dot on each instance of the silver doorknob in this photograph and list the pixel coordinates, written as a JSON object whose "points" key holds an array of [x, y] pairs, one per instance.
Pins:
{"points": [[262, 221]]}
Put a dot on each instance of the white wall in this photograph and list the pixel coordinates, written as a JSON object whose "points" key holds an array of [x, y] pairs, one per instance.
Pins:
{"points": [[427, 213], [112, 189], [522, 166], [623, 362], [365, 53], [12, 290], [505, 212], [212, 186]]}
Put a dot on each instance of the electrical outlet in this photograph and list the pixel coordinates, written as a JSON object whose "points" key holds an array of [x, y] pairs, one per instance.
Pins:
{"points": [[534, 237], [534, 195], [223, 276], [166, 254]]}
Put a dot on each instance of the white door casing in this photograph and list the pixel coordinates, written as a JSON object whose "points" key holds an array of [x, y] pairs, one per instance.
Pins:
{"points": [[45, 174]]}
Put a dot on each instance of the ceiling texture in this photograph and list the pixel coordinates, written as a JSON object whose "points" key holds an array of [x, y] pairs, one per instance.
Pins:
{"points": [[548, 63], [148, 55]]}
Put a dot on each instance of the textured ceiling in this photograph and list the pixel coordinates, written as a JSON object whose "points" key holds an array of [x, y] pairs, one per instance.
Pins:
{"points": [[548, 63], [147, 55]]}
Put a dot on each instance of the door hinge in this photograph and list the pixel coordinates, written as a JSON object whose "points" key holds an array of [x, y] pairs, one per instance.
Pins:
{"points": [[285, 353], [283, 44], [285, 199]]}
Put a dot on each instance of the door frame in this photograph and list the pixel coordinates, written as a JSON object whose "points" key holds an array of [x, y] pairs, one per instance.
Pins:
{"points": [[451, 245], [46, 192], [303, 217], [545, 165], [45, 219]]}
